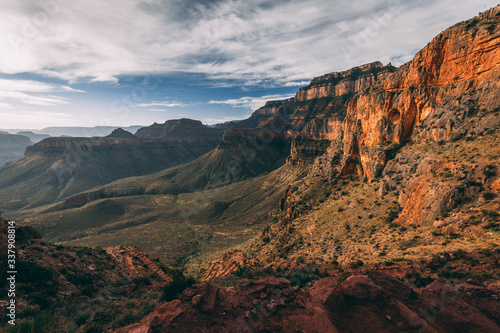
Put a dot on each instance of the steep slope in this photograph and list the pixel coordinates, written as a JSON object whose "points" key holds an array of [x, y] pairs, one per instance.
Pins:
{"points": [[452, 78], [12, 147], [412, 172], [325, 96]]}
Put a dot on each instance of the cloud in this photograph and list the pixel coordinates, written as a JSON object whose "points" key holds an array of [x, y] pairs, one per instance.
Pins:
{"points": [[45, 100], [17, 119], [261, 42], [32, 93], [33, 86], [232, 46], [252, 103], [166, 104], [211, 121]]}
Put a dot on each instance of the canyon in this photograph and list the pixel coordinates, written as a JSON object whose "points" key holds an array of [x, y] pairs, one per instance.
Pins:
{"points": [[370, 199]]}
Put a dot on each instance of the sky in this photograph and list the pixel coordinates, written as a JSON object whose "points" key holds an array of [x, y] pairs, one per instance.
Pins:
{"points": [[135, 62]]}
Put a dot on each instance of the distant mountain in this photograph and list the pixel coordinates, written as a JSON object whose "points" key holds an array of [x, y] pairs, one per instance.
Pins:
{"points": [[12, 147], [69, 131], [61, 167], [35, 138], [120, 133], [186, 129], [85, 132]]}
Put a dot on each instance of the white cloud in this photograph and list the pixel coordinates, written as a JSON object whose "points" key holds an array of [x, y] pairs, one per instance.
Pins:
{"points": [[252, 103], [33, 86], [17, 119], [20, 97], [166, 104], [255, 42], [32, 93], [211, 121]]}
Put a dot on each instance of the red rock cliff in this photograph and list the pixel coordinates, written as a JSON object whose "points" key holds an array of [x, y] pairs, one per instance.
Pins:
{"points": [[321, 129], [343, 83], [452, 76]]}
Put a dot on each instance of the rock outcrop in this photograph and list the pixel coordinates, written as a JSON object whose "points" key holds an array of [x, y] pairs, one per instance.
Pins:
{"points": [[227, 265], [260, 116], [322, 132], [374, 302], [126, 256], [344, 83]]}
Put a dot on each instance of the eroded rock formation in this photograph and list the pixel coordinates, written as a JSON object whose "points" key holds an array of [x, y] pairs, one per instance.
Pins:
{"points": [[452, 77], [345, 83], [374, 301]]}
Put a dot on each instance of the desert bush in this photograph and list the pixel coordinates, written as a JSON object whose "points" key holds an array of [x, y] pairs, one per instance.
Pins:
{"points": [[418, 280], [82, 318], [356, 264], [43, 323], [393, 214], [487, 195], [31, 272], [142, 281], [174, 288]]}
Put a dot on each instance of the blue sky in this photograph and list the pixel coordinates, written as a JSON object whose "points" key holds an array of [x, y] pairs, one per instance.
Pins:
{"points": [[134, 62]]}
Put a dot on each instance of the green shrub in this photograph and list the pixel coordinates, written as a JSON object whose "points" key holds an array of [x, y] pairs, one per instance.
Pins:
{"points": [[174, 288], [43, 323], [392, 214], [421, 282], [142, 281], [82, 318], [31, 272], [103, 317], [128, 318], [356, 264], [80, 279], [487, 195]]}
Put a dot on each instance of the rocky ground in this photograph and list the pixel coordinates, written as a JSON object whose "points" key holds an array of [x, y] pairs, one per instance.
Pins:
{"points": [[373, 301]]}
